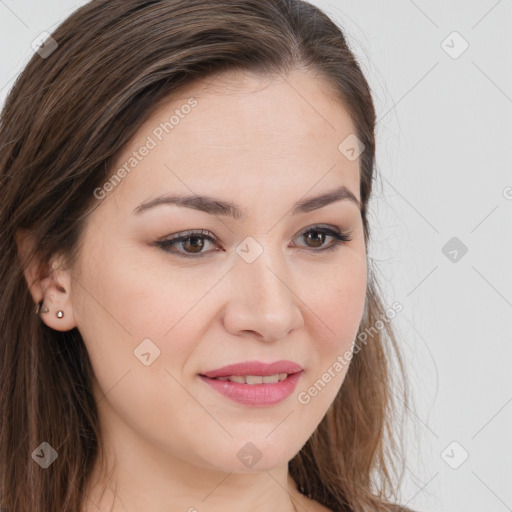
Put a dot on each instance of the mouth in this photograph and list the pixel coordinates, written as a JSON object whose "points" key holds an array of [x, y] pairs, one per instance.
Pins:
{"points": [[255, 390], [253, 379]]}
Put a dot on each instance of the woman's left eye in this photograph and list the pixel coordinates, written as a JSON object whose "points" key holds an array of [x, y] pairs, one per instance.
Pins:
{"points": [[194, 241]]}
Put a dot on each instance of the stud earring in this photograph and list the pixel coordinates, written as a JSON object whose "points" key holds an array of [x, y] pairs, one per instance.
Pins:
{"points": [[60, 313]]}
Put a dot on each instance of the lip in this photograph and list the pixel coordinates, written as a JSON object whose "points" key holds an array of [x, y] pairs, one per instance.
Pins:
{"points": [[254, 368], [255, 394]]}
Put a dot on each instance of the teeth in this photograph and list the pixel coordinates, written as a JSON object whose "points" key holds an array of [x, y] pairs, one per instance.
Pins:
{"points": [[274, 378], [255, 379], [236, 378]]}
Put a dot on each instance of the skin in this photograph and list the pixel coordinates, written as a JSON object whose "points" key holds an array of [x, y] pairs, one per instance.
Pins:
{"points": [[264, 143]]}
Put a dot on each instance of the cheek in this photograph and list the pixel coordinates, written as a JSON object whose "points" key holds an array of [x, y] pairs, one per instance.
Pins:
{"points": [[338, 303], [131, 294], [346, 308], [336, 310], [129, 314], [139, 331]]}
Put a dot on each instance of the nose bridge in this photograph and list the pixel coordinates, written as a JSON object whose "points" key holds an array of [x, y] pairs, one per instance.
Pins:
{"points": [[263, 299], [266, 275]]}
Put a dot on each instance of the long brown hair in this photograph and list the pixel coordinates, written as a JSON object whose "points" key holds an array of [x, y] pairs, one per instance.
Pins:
{"points": [[65, 120]]}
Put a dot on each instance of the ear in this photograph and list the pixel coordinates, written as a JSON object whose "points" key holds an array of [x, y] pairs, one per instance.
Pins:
{"points": [[48, 282]]}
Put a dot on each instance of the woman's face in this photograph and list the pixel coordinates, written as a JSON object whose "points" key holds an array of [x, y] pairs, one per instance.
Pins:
{"points": [[265, 286]]}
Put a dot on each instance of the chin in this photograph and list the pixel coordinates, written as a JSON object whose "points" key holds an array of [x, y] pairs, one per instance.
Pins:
{"points": [[251, 457]]}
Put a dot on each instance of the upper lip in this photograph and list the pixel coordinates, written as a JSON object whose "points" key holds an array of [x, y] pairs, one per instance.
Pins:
{"points": [[254, 368]]}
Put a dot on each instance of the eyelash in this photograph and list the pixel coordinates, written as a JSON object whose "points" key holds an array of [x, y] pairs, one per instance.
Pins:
{"points": [[339, 237]]}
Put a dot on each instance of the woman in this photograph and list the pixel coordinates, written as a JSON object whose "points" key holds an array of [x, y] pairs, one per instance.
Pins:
{"points": [[185, 192]]}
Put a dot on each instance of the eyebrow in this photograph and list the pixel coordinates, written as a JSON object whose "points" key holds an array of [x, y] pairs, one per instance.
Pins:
{"points": [[215, 206]]}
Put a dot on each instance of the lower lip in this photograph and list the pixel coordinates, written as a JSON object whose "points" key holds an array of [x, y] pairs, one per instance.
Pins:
{"points": [[255, 394]]}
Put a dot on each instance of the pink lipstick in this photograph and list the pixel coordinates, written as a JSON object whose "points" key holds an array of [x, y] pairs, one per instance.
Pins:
{"points": [[255, 383]]}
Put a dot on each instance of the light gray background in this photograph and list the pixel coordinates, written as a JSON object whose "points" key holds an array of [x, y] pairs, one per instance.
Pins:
{"points": [[443, 158]]}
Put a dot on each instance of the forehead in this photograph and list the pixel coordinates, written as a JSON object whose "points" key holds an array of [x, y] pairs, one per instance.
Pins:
{"points": [[241, 133]]}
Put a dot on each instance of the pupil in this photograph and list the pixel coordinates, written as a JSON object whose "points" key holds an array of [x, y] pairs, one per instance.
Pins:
{"points": [[200, 246], [318, 239]]}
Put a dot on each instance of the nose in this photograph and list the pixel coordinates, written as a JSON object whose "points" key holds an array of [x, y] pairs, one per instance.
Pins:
{"points": [[262, 300]]}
